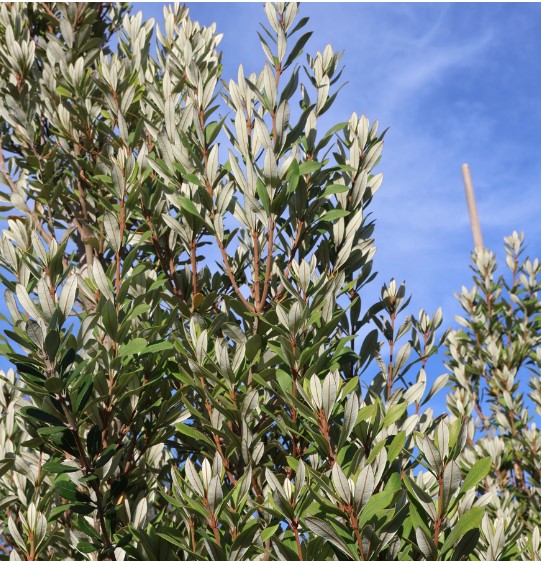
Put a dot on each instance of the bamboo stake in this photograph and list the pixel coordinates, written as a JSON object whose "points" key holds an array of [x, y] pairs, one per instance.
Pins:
{"points": [[472, 208]]}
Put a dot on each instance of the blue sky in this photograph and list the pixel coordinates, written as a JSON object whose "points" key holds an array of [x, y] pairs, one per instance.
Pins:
{"points": [[454, 83]]}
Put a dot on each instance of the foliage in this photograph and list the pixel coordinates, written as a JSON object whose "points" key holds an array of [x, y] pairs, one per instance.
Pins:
{"points": [[488, 357], [196, 372]]}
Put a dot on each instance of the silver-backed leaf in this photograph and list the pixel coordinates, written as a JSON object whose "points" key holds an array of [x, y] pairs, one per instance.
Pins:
{"points": [[328, 395], [430, 452], [452, 478], [140, 513], [11, 304], [39, 248], [15, 534], [401, 358], [101, 280], [327, 532], [282, 121], [262, 132], [414, 394], [26, 302], [67, 296], [206, 473], [212, 164], [304, 274], [242, 134], [112, 230], [425, 544], [119, 182], [438, 385], [34, 331], [282, 316], [443, 437], [214, 493], [273, 482], [364, 487], [201, 347], [45, 299], [351, 411], [341, 484], [193, 478], [316, 391]]}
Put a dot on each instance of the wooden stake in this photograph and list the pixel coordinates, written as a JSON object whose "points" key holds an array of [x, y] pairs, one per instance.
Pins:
{"points": [[472, 208]]}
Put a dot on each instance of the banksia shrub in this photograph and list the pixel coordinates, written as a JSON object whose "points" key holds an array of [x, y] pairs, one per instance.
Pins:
{"points": [[196, 371]]}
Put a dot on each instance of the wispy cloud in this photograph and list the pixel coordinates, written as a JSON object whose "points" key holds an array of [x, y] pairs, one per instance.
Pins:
{"points": [[424, 67]]}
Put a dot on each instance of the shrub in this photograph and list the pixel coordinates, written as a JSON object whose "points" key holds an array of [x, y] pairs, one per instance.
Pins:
{"points": [[197, 374], [488, 358]]}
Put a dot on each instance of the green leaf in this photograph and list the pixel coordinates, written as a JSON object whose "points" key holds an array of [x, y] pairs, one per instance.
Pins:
{"points": [[396, 446], [394, 413], [63, 91], [189, 206], [375, 505], [52, 344], [66, 488], [334, 214], [43, 416], [366, 412], [309, 167], [468, 521], [85, 527], [269, 531], [157, 347], [467, 544], [86, 547], [297, 49], [133, 347], [335, 188], [57, 511], [263, 195], [93, 441], [476, 473], [54, 466]]}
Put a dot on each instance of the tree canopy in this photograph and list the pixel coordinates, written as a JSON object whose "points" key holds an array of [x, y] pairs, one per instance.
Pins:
{"points": [[196, 371]]}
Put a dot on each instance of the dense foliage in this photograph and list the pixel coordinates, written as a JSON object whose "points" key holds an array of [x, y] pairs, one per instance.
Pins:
{"points": [[500, 342], [197, 373]]}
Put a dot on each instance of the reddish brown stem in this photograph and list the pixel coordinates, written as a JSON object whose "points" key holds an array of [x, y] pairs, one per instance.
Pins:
{"points": [[231, 276], [193, 261], [439, 520], [324, 427], [257, 288], [292, 252], [354, 523], [294, 527], [268, 266]]}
